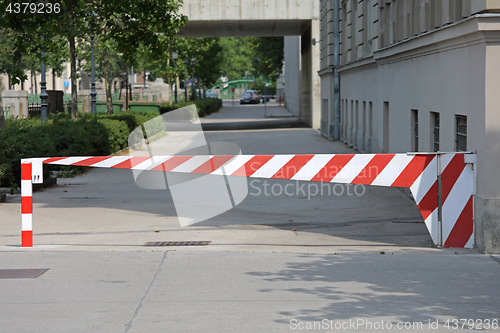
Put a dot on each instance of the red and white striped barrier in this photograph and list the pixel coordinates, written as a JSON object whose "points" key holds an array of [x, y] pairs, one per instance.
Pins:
{"points": [[442, 184]]}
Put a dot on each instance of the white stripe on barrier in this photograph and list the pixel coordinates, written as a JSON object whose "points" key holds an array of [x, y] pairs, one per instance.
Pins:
{"points": [[110, 162], [311, 169], [352, 169], [26, 188], [192, 164], [272, 166], [393, 169], [233, 165], [27, 222], [425, 181], [456, 201]]}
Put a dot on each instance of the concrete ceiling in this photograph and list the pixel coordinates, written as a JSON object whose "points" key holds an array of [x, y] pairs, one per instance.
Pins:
{"points": [[244, 28]]}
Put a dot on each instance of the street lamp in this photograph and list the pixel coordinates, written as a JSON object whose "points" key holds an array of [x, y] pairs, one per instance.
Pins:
{"points": [[185, 81], [193, 62], [175, 56], [93, 93], [43, 84]]}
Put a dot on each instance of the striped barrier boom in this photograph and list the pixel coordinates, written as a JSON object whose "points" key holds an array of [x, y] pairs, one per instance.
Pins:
{"points": [[442, 184]]}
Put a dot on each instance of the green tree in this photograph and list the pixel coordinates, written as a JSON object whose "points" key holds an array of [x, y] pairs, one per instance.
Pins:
{"points": [[237, 58], [129, 23], [269, 51]]}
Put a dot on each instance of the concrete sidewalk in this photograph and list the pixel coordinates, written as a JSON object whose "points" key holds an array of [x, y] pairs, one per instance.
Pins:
{"points": [[276, 263]]}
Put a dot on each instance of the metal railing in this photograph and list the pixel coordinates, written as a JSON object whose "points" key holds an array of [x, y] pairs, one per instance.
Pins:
{"points": [[34, 109]]}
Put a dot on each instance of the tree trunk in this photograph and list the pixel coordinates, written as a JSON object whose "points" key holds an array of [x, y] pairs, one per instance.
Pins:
{"points": [[107, 79], [74, 96], [53, 79], [125, 104], [10, 85], [2, 117]]}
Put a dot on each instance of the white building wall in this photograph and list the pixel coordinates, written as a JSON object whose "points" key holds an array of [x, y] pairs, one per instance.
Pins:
{"points": [[293, 74]]}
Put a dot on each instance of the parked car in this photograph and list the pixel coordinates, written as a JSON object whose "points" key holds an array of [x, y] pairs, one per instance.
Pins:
{"points": [[211, 94], [249, 98], [255, 92]]}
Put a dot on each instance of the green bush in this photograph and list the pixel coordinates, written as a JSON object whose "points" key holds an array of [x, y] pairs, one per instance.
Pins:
{"points": [[60, 136], [166, 107], [205, 106]]}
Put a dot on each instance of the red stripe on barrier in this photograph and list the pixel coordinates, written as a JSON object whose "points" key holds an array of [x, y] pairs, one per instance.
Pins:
{"points": [[91, 160], [413, 170], [292, 167], [131, 162], [213, 164], [429, 202], [171, 163], [463, 228], [25, 171], [27, 238], [53, 159], [373, 169], [451, 173], [26, 205], [332, 168], [252, 165]]}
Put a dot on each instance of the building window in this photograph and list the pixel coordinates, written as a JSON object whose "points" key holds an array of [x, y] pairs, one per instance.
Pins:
{"points": [[370, 119], [364, 118], [414, 126], [385, 128], [461, 133], [435, 131]]}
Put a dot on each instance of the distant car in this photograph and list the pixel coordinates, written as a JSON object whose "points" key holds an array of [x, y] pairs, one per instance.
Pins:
{"points": [[211, 94], [249, 98], [256, 93]]}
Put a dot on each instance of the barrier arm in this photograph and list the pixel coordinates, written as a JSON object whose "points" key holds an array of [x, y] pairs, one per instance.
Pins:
{"points": [[442, 184]]}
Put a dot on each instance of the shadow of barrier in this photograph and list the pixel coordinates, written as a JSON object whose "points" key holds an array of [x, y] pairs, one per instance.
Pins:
{"points": [[442, 184]]}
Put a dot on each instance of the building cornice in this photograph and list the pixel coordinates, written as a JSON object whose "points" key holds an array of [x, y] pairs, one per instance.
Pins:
{"points": [[477, 29], [359, 64], [326, 71]]}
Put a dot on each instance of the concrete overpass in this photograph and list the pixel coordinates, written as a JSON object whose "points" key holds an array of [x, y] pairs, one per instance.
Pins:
{"points": [[297, 20]]}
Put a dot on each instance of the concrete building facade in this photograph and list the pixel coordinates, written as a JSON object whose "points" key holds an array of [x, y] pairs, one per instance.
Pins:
{"points": [[420, 75]]}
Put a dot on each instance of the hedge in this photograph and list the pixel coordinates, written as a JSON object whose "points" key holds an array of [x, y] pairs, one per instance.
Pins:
{"points": [[60, 136], [204, 106]]}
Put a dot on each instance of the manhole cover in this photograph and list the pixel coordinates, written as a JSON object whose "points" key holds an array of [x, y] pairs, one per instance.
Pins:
{"points": [[188, 243], [21, 273], [83, 198]]}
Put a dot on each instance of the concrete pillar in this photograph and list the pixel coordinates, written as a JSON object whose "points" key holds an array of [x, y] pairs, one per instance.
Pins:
{"points": [[84, 95], [484, 132], [311, 82], [293, 75], [18, 102]]}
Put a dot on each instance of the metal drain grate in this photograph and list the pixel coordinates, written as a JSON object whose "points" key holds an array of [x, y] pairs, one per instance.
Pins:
{"points": [[188, 243], [21, 273]]}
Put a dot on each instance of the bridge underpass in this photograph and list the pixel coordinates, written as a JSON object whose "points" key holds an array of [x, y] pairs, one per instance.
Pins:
{"points": [[296, 20]]}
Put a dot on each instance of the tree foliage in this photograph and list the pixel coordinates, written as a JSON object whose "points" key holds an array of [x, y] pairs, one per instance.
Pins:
{"points": [[130, 24], [269, 51]]}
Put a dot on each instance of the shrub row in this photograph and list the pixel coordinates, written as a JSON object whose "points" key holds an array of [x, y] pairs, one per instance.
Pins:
{"points": [[204, 106], [60, 136]]}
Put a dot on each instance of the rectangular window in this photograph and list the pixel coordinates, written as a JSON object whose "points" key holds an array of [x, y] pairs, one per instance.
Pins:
{"points": [[434, 131], [461, 133], [370, 119], [324, 117], [364, 117], [414, 127], [385, 128]]}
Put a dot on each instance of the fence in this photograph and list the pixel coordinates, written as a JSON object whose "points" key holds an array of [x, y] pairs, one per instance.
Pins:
{"points": [[34, 110]]}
